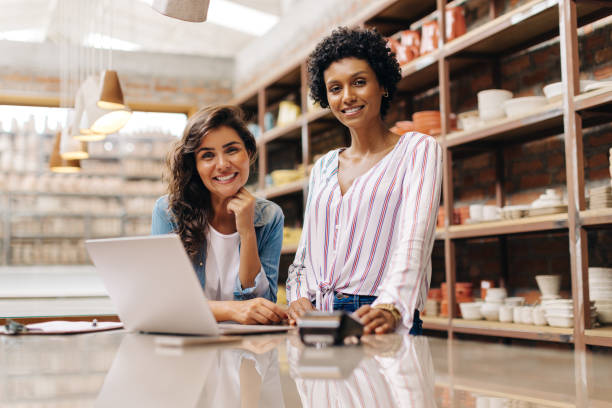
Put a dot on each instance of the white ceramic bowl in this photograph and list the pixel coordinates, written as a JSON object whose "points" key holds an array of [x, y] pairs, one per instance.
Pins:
{"points": [[560, 321], [599, 273], [515, 301], [555, 90], [549, 284], [490, 311], [523, 106], [497, 293], [470, 310], [604, 316], [490, 103]]}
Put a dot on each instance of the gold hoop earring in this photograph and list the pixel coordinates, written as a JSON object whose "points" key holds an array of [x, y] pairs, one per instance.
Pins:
{"points": [[386, 94]]}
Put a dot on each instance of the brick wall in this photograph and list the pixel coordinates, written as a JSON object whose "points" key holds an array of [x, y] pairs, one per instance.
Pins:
{"points": [[34, 69]]}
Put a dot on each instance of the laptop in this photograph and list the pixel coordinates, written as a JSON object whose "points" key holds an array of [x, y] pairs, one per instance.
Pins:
{"points": [[154, 288]]}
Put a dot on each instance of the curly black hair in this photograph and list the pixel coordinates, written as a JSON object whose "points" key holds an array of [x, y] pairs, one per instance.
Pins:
{"points": [[365, 44]]}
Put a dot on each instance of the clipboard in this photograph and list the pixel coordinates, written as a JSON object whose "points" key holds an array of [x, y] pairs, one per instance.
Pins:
{"points": [[56, 327]]}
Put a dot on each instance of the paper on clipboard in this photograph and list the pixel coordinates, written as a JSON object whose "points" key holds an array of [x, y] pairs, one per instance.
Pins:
{"points": [[66, 327]]}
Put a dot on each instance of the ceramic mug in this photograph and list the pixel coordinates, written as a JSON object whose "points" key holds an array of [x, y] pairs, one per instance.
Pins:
{"points": [[506, 313]]}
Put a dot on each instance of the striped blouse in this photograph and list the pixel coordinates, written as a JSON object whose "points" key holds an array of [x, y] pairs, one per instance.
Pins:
{"points": [[377, 238]]}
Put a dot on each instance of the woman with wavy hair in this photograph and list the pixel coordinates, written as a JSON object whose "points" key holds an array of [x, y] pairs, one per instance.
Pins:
{"points": [[233, 239], [371, 211]]}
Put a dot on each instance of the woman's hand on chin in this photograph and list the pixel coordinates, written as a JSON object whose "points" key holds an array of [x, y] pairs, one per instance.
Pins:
{"points": [[298, 308], [377, 321], [242, 205], [258, 311]]}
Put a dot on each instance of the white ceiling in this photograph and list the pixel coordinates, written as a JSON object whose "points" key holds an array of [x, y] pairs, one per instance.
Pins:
{"points": [[134, 22]]}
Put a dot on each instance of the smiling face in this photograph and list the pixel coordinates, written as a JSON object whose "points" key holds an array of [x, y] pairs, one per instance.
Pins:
{"points": [[222, 162], [353, 92]]}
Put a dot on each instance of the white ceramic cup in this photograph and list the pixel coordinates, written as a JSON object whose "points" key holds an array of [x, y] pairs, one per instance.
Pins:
{"points": [[490, 212], [491, 103], [476, 211], [506, 314]]}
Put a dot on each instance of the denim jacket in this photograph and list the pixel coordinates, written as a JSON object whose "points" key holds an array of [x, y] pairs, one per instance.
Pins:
{"points": [[268, 222]]}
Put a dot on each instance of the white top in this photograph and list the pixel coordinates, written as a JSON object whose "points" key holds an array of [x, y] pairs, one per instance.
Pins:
{"points": [[376, 238], [223, 266]]}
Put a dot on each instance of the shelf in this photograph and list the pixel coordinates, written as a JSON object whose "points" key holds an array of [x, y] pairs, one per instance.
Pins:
{"points": [[285, 189], [599, 217], [530, 396], [398, 16], [601, 336], [63, 214], [505, 227], [599, 98], [293, 129], [40, 236], [289, 249], [440, 234], [63, 194], [544, 122], [420, 73], [529, 24], [514, 330], [142, 177], [435, 323]]}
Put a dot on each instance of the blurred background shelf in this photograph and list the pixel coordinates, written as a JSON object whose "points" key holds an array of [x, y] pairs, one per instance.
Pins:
{"points": [[505, 227], [520, 331]]}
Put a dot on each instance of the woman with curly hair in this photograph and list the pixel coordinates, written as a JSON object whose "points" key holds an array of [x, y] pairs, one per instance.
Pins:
{"points": [[233, 239], [370, 216]]}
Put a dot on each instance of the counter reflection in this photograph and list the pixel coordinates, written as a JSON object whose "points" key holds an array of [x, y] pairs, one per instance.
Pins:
{"points": [[146, 374], [386, 371]]}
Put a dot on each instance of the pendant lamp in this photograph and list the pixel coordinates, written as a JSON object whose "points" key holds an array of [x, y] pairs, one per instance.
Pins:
{"points": [[95, 120], [111, 95], [84, 134], [187, 10], [59, 165], [69, 147]]}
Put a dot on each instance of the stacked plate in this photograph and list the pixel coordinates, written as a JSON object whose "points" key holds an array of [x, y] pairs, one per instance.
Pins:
{"points": [[600, 197], [548, 203], [427, 122], [560, 312], [600, 286]]}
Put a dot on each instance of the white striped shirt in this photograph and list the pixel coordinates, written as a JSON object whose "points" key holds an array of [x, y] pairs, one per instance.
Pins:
{"points": [[377, 238]]}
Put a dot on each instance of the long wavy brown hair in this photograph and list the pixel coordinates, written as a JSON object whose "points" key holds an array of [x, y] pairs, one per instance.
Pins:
{"points": [[188, 198]]}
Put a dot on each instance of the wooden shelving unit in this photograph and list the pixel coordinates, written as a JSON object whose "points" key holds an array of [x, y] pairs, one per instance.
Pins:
{"points": [[506, 227], [530, 24]]}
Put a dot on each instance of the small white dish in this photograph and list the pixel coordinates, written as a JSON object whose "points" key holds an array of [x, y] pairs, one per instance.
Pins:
{"points": [[523, 106], [594, 85]]}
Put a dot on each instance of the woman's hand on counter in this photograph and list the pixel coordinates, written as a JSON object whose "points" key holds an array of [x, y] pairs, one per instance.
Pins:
{"points": [[377, 321], [252, 311], [258, 311], [298, 308]]}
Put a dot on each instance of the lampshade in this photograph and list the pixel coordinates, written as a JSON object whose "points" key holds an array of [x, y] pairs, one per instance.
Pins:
{"points": [[111, 96], [187, 10], [97, 120], [59, 165], [71, 148], [93, 119]]}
